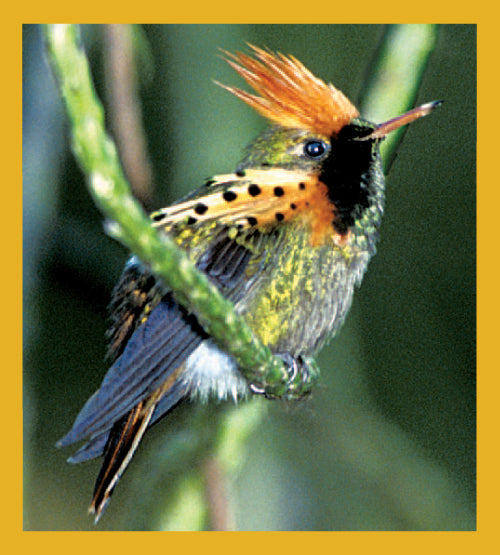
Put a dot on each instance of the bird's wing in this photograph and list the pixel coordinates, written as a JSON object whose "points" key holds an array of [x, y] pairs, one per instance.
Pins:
{"points": [[150, 334], [153, 349]]}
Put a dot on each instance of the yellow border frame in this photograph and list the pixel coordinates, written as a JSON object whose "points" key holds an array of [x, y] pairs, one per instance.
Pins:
{"points": [[488, 188]]}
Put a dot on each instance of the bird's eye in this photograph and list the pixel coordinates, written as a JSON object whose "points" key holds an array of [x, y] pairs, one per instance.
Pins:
{"points": [[315, 149]]}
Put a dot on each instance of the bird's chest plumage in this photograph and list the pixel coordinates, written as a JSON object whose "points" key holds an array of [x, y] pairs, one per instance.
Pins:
{"points": [[293, 296], [302, 293]]}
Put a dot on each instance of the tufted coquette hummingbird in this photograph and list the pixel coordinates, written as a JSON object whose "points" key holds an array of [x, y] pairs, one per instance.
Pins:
{"points": [[286, 237]]}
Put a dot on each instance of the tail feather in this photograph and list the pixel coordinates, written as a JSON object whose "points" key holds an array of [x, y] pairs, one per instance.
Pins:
{"points": [[122, 443]]}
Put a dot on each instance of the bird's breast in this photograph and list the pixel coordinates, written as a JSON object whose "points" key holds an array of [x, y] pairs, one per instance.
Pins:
{"points": [[302, 292]]}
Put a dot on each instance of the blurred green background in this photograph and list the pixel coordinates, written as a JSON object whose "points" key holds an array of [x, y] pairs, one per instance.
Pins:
{"points": [[387, 441]]}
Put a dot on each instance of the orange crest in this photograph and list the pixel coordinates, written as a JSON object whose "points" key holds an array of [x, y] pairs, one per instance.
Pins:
{"points": [[289, 94]]}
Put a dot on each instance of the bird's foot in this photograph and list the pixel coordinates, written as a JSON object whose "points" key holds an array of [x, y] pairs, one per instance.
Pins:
{"points": [[303, 373]]}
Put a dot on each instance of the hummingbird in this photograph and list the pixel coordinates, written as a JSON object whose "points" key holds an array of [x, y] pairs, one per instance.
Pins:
{"points": [[287, 237]]}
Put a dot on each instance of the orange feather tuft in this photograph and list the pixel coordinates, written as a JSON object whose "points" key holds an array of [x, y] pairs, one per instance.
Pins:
{"points": [[289, 94]]}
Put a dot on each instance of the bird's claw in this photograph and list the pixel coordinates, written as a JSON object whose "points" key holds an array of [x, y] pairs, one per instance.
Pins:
{"points": [[302, 375]]}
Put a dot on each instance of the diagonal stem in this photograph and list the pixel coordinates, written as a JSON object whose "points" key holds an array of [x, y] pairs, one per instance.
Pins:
{"points": [[97, 155]]}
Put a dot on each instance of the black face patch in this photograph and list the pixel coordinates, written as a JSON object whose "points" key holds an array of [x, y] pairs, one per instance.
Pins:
{"points": [[351, 173]]}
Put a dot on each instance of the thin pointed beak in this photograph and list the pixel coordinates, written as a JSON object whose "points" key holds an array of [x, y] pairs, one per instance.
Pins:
{"points": [[383, 129]]}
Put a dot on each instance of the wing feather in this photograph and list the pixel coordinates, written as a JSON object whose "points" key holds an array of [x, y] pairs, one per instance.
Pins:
{"points": [[154, 351]]}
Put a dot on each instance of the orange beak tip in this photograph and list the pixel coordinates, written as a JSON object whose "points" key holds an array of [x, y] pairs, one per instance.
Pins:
{"points": [[393, 124]]}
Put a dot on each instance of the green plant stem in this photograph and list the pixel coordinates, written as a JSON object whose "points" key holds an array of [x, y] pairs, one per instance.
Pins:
{"points": [[395, 80], [97, 155]]}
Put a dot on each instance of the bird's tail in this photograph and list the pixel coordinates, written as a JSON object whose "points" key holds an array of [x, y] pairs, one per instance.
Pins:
{"points": [[122, 443]]}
